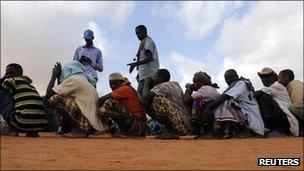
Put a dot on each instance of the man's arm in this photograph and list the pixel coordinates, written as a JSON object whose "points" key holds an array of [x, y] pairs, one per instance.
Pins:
{"points": [[76, 55], [102, 99], [187, 98], [98, 65], [55, 75], [219, 101], [148, 58]]}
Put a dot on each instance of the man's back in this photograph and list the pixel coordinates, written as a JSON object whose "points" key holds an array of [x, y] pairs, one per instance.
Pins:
{"points": [[29, 112], [128, 97], [295, 91]]}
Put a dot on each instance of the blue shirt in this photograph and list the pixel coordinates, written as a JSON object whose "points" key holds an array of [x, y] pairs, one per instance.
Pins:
{"points": [[96, 60]]}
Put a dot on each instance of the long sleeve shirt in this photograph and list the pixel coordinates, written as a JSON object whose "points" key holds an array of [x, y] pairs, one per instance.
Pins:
{"points": [[96, 60]]}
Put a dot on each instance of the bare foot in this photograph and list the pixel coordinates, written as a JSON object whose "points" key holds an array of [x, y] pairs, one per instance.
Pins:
{"points": [[76, 134], [168, 136]]}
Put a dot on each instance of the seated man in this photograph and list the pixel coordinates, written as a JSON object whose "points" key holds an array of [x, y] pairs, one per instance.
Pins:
{"points": [[279, 93], [6, 108], [123, 106], [241, 91], [202, 92], [75, 99], [295, 90], [168, 107], [23, 109]]}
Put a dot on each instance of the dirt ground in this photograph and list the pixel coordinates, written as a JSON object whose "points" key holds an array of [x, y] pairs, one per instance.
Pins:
{"points": [[100, 152]]}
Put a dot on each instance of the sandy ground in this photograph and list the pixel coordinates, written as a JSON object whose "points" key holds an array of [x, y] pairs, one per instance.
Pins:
{"points": [[50, 152]]}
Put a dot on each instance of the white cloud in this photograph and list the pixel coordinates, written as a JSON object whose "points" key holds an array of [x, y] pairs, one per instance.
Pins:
{"points": [[185, 67], [37, 34], [114, 12], [102, 41], [270, 35], [198, 18]]}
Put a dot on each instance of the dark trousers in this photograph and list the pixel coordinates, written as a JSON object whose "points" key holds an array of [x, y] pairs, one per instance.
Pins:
{"points": [[140, 87], [273, 116], [53, 119], [6, 105]]}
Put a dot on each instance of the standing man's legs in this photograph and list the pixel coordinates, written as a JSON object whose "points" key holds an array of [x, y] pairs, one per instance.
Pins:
{"points": [[140, 87]]}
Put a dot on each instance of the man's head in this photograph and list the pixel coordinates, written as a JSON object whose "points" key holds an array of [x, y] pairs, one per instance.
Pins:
{"points": [[116, 80], [141, 32], [13, 70], [268, 76], [199, 79], [231, 76], [285, 77], [162, 75], [88, 36]]}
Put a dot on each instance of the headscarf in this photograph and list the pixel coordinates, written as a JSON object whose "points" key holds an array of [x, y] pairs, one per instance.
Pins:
{"points": [[206, 78], [116, 76], [74, 68]]}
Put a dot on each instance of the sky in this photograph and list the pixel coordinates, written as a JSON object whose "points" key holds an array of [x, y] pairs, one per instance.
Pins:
{"points": [[190, 36]]}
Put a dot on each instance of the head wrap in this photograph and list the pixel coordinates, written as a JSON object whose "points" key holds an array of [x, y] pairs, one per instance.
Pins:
{"points": [[74, 68]]}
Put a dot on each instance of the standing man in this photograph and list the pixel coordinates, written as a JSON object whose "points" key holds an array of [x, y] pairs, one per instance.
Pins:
{"points": [[89, 56], [147, 58]]}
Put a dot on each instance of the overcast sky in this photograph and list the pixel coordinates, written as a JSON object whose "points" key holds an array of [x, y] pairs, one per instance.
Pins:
{"points": [[190, 36]]}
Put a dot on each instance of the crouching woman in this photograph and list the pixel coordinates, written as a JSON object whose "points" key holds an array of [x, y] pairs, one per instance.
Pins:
{"points": [[75, 100]]}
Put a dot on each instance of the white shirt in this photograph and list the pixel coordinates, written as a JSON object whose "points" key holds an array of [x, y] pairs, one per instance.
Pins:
{"points": [[279, 93], [249, 107], [148, 69]]}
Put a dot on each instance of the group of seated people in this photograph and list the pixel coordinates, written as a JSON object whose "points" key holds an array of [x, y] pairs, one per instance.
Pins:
{"points": [[275, 110]]}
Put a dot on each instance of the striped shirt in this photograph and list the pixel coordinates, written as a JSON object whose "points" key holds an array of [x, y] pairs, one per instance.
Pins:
{"points": [[29, 114]]}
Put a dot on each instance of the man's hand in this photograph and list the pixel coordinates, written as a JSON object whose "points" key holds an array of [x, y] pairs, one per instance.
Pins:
{"points": [[148, 80], [235, 105], [132, 66], [56, 70], [258, 93], [85, 59], [189, 86]]}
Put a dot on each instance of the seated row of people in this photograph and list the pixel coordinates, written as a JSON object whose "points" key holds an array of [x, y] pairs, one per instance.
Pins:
{"points": [[264, 112], [201, 110]]}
